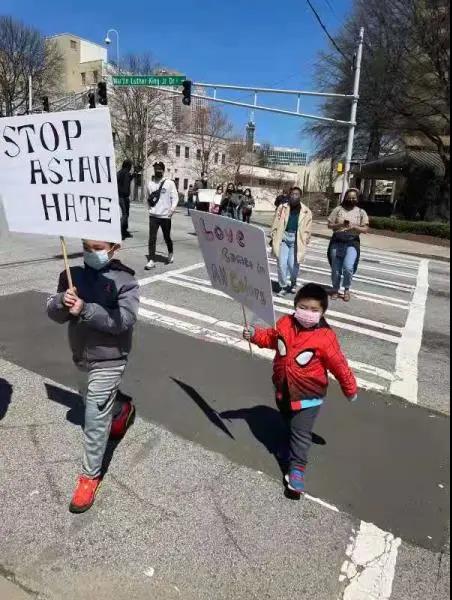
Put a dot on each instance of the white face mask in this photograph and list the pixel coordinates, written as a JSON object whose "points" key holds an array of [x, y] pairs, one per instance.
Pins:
{"points": [[96, 259]]}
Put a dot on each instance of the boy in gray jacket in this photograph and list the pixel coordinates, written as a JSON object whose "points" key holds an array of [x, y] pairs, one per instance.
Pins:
{"points": [[101, 310]]}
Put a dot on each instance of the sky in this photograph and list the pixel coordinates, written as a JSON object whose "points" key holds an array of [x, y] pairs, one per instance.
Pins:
{"points": [[261, 43]]}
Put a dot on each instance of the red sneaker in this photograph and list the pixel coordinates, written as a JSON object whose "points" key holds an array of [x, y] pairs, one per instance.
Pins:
{"points": [[84, 494], [123, 421]]}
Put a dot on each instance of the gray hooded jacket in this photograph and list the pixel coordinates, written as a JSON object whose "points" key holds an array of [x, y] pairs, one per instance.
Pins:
{"points": [[101, 336]]}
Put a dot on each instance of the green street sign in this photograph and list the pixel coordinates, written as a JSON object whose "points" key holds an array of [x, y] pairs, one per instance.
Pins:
{"points": [[144, 80]]}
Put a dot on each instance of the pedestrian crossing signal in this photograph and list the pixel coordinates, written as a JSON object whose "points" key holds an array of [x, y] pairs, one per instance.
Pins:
{"points": [[46, 104], [186, 93]]}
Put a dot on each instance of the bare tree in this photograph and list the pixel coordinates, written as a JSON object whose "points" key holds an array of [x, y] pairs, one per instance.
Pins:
{"points": [[25, 53], [237, 154], [423, 109], [382, 62], [142, 117], [212, 129], [263, 154], [323, 176], [405, 81]]}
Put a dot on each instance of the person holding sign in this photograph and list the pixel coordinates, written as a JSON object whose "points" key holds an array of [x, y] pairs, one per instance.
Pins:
{"points": [[163, 200], [290, 236], [306, 349], [101, 309]]}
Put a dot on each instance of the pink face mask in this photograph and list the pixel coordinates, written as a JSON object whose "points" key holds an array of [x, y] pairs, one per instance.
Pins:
{"points": [[307, 318]]}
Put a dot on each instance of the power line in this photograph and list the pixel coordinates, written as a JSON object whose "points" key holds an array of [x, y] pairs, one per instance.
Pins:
{"points": [[323, 26]]}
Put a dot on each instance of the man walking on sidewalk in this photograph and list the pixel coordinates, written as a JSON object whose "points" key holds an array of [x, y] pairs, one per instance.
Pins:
{"points": [[162, 200]]}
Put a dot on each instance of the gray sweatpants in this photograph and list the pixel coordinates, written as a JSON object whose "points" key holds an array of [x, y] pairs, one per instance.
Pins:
{"points": [[99, 388]]}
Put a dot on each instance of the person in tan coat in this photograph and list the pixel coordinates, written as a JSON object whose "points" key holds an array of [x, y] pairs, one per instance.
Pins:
{"points": [[291, 234]]}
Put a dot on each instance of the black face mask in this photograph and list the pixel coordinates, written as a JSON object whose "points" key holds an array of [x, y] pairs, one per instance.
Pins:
{"points": [[158, 174], [294, 203], [349, 204]]}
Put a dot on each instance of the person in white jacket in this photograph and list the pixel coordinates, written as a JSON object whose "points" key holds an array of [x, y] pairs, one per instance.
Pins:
{"points": [[163, 199]]}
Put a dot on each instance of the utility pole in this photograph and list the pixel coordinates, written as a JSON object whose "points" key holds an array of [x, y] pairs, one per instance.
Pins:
{"points": [[30, 95], [354, 112]]}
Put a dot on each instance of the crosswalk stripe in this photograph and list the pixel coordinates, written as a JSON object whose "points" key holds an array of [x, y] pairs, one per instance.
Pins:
{"points": [[191, 314], [287, 303], [221, 338], [403, 287], [365, 267], [214, 292]]}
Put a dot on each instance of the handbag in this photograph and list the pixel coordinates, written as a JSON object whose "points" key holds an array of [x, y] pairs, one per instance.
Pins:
{"points": [[154, 198]]}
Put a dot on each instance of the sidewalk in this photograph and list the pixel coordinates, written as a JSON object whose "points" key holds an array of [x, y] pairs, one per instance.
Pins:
{"points": [[376, 242], [10, 591]]}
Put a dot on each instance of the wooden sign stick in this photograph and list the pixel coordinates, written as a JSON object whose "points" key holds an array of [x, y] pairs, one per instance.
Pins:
{"points": [[245, 319], [66, 263]]}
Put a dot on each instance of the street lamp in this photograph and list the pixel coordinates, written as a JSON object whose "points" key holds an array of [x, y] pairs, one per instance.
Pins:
{"points": [[108, 42]]}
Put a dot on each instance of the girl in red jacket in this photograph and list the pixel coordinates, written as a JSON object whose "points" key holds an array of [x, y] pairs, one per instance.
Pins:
{"points": [[306, 349]]}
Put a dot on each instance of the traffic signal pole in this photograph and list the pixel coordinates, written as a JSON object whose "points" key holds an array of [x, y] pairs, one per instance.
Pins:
{"points": [[354, 98], [354, 112]]}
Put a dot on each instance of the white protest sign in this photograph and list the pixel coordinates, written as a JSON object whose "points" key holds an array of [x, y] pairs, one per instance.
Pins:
{"points": [[236, 259], [206, 195], [58, 175]]}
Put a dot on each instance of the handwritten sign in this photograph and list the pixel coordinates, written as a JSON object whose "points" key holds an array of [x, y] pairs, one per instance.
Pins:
{"points": [[236, 259], [206, 196], [58, 175]]}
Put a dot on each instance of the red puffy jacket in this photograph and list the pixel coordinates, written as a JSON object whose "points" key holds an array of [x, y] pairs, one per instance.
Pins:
{"points": [[303, 359]]}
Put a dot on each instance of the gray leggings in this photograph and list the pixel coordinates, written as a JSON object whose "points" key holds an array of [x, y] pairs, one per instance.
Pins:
{"points": [[301, 424], [99, 388]]}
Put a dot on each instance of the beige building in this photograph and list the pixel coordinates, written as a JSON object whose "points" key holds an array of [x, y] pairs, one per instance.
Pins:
{"points": [[84, 62]]}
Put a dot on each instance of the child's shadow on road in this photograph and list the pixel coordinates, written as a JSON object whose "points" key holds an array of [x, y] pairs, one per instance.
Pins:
{"points": [[76, 416], [270, 429]]}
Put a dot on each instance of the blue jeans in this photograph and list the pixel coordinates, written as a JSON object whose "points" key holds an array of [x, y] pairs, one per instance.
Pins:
{"points": [[344, 260], [288, 265]]}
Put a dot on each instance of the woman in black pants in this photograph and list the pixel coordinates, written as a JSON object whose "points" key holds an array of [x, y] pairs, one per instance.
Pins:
{"points": [[247, 206]]}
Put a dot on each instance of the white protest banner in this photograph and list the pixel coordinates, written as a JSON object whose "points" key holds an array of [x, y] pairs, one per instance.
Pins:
{"points": [[58, 174], [236, 259], [206, 196]]}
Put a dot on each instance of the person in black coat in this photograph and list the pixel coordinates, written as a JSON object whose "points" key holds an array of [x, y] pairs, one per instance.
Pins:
{"points": [[125, 178]]}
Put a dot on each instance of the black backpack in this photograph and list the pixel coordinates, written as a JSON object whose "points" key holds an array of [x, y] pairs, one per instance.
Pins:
{"points": [[154, 198]]}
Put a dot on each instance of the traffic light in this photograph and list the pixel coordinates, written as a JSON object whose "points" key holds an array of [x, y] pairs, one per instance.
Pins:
{"points": [[186, 92], [92, 100], [102, 93], [45, 104]]}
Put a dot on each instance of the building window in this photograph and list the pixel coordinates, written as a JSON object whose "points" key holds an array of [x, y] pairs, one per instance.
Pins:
{"points": [[177, 182], [177, 151], [187, 152], [165, 149], [83, 78], [223, 159], [217, 157], [95, 76], [185, 184], [206, 156], [198, 155], [73, 45]]}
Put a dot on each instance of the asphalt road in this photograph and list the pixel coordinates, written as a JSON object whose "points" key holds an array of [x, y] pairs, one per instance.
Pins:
{"points": [[383, 461]]}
